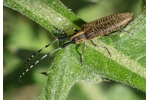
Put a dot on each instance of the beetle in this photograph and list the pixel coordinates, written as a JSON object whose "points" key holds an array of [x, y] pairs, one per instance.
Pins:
{"points": [[89, 31]]}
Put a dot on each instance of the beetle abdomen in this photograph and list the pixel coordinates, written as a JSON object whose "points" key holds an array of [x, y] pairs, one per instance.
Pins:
{"points": [[106, 25]]}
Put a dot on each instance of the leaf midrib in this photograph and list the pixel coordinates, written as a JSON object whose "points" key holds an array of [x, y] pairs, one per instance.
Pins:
{"points": [[118, 56]]}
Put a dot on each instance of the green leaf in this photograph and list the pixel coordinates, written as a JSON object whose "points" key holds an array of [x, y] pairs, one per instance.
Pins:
{"points": [[126, 65], [51, 14], [128, 50]]}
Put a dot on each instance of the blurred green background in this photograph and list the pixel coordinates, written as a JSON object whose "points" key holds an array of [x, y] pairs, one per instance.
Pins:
{"points": [[23, 37]]}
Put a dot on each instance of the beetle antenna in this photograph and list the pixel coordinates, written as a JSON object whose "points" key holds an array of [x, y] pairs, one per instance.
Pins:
{"points": [[64, 45], [38, 62], [33, 55]]}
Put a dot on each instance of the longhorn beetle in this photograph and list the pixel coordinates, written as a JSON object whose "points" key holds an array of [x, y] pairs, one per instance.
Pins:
{"points": [[89, 31]]}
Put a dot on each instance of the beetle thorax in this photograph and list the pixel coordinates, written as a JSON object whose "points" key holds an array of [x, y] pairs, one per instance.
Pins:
{"points": [[78, 37]]}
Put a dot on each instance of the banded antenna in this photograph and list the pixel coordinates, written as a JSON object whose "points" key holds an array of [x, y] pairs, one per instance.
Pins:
{"points": [[33, 55]]}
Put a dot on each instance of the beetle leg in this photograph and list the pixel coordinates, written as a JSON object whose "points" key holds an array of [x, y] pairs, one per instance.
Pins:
{"points": [[120, 31], [82, 55], [101, 47], [64, 32]]}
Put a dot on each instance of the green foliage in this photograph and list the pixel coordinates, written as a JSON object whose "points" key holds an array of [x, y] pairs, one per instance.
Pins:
{"points": [[128, 50]]}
